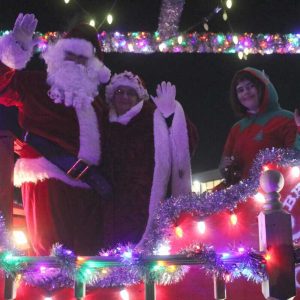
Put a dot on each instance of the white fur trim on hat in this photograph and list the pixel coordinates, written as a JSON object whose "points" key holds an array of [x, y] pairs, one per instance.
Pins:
{"points": [[77, 46], [126, 79], [12, 55], [55, 54]]}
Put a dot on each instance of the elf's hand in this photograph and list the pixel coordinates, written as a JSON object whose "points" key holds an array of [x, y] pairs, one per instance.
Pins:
{"points": [[165, 98], [24, 29]]}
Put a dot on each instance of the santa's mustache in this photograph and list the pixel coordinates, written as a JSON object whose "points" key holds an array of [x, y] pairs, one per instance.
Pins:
{"points": [[72, 84]]}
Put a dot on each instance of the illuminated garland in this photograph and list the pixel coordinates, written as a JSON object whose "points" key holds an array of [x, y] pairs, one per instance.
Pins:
{"points": [[206, 204], [54, 275], [231, 43], [65, 268]]}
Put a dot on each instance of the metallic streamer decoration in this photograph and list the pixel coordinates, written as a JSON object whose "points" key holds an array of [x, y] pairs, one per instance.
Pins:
{"points": [[170, 13], [206, 204]]}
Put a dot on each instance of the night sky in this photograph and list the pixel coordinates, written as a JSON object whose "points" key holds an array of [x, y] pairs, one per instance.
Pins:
{"points": [[202, 80]]}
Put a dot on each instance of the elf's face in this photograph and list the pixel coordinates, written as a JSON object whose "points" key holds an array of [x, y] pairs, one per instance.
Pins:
{"points": [[124, 99], [248, 95]]}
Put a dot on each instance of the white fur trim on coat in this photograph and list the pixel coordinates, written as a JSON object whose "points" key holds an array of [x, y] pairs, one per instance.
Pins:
{"points": [[162, 170], [89, 135], [181, 160], [12, 55], [125, 118], [172, 159], [39, 169]]}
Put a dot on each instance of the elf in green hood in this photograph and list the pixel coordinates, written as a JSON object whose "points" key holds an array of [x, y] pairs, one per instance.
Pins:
{"points": [[264, 123]]}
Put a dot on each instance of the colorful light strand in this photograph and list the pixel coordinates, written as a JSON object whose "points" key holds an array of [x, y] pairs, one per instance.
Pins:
{"points": [[217, 43]]}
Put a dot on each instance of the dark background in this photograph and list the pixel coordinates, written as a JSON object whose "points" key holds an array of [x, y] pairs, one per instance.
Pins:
{"points": [[202, 80]]}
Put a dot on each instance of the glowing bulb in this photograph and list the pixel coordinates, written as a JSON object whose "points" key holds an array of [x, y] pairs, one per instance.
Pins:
{"points": [[201, 227], [266, 168], [67, 1], [127, 254], [229, 3], [179, 40], [92, 22], [109, 19], [259, 197], [43, 269], [233, 219], [205, 26], [295, 171], [80, 259], [267, 257], [179, 232], [171, 269], [241, 249], [196, 186], [240, 55], [235, 39], [130, 47], [47, 298], [124, 294], [162, 47], [227, 277], [163, 249], [225, 16], [20, 238], [161, 263]]}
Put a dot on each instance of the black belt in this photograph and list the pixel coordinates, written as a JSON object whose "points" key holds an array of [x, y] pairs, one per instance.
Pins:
{"points": [[75, 168]]}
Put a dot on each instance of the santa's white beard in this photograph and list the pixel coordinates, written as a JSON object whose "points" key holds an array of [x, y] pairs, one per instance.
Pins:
{"points": [[72, 84]]}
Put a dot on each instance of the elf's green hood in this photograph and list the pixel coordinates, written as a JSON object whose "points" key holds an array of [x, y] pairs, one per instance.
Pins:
{"points": [[270, 96]]}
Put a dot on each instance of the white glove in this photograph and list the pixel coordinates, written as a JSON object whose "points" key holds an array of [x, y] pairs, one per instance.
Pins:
{"points": [[165, 99], [23, 30]]}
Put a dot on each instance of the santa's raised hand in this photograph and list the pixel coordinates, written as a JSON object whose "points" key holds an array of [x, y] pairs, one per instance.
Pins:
{"points": [[24, 29], [165, 98]]}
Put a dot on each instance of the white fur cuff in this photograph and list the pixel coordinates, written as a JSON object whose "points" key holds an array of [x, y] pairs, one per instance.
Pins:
{"points": [[39, 169], [12, 55]]}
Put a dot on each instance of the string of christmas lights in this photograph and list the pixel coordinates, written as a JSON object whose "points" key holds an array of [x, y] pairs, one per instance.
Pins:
{"points": [[231, 43], [206, 204]]}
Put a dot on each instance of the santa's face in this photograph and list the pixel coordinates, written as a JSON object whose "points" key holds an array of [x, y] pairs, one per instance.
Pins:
{"points": [[72, 78], [124, 98]]}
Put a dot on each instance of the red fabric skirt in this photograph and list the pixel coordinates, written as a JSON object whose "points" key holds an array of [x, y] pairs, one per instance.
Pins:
{"points": [[58, 213]]}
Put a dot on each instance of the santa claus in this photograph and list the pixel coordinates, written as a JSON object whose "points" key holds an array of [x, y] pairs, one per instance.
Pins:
{"points": [[59, 110]]}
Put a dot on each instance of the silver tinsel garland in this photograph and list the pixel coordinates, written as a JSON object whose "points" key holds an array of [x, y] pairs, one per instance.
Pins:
{"points": [[170, 13], [207, 204]]}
